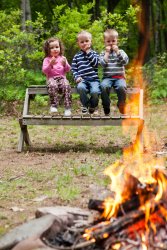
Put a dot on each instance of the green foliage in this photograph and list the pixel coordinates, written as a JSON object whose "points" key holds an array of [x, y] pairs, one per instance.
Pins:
{"points": [[21, 52], [41, 100], [69, 24], [120, 22], [155, 75]]}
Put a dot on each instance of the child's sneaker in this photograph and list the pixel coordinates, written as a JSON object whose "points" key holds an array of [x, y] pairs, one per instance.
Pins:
{"points": [[122, 109], [106, 111], [96, 112], [67, 112], [91, 110], [53, 109], [84, 110]]}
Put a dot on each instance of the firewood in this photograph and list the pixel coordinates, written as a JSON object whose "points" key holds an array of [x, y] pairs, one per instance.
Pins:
{"points": [[144, 193], [119, 223]]}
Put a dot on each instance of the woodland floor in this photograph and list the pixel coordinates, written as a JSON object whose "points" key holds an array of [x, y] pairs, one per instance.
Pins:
{"points": [[66, 165]]}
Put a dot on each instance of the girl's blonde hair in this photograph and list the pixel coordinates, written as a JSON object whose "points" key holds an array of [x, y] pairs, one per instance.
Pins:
{"points": [[47, 48]]}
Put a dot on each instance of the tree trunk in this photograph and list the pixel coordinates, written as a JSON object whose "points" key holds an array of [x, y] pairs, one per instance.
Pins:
{"points": [[26, 12], [157, 31], [144, 32], [152, 27], [163, 32], [111, 4], [97, 9]]}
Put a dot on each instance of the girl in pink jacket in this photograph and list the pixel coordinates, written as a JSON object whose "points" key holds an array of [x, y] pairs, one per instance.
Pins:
{"points": [[55, 66]]}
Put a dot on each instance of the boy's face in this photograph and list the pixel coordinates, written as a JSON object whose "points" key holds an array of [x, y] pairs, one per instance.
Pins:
{"points": [[84, 42], [110, 41]]}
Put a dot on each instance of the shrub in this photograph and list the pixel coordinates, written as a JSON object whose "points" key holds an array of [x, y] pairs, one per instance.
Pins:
{"points": [[21, 51], [155, 74]]}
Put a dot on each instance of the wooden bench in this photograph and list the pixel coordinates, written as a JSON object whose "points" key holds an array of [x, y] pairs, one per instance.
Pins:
{"points": [[77, 119]]}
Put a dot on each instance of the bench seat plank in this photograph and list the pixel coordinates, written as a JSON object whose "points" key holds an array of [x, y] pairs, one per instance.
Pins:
{"points": [[80, 121], [77, 119], [34, 90]]}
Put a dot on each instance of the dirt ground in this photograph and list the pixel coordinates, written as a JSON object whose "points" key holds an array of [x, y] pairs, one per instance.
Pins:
{"points": [[30, 179]]}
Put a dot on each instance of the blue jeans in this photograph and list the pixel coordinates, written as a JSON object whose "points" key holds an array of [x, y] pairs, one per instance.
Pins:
{"points": [[89, 91], [120, 87]]}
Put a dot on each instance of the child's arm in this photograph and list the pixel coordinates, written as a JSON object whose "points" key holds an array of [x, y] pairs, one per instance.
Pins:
{"points": [[102, 60], [47, 65], [107, 53], [104, 56], [93, 57], [74, 69], [122, 56], [65, 63]]}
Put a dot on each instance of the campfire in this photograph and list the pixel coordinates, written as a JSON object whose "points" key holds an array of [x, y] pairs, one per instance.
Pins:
{"points": [[135, 217]]}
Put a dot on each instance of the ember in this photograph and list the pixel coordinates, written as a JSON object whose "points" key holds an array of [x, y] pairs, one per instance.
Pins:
{"points": [[137, 220]]}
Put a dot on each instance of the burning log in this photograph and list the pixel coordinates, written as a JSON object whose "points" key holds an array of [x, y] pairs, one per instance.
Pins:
{"points": [[143, 211], [138, 194], [99, 205], [97, 232]]}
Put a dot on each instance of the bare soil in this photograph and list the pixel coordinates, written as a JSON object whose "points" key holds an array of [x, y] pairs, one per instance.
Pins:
{"points": [[34, 178]]}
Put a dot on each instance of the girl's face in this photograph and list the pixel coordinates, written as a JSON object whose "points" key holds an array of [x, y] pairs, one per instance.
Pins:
{"points": [[54, 48], [84, 42]]}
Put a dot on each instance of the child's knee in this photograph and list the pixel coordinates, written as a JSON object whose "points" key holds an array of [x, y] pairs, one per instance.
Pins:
{"points": [[95, 95], [81, 88], [121, 89]]}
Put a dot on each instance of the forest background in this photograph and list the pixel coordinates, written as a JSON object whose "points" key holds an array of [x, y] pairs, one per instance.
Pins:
{"points": [[26, 24]]}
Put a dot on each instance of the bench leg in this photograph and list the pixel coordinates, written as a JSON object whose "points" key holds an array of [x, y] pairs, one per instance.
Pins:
{"points": [[24, 136], [139, 136]]}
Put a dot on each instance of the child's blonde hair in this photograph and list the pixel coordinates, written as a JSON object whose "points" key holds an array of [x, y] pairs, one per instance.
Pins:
{"points": [[50, 40], [111, 32], [84, 33]]}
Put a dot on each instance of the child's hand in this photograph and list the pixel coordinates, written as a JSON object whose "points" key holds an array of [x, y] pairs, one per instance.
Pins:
{"points": [[87, 48], [53, 61], [115, 48], [79, 79], [64, 61], [107, 53], [108, 49]]}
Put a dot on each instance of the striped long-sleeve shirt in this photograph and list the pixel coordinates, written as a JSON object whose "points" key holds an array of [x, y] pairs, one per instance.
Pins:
{"points": [[85, 65], [115, 64]]}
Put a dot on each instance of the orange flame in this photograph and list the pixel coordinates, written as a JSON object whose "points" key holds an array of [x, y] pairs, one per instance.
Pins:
{"points": [[133, 161]]}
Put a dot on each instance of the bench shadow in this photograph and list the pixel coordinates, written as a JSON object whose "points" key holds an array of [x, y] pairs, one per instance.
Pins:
{"points": [[76, 147]]}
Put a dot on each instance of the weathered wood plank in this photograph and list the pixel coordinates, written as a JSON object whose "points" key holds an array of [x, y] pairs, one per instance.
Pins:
{"points": [[77, 119], [43, 90], [26, 103], [113, 121]]}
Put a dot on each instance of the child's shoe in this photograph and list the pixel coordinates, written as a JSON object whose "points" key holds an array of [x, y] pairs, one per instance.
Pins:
{"points": [[122, 109], [84, 110], [96, 112], [91, 110], [106, 111], [67, 112], [53, 109]]}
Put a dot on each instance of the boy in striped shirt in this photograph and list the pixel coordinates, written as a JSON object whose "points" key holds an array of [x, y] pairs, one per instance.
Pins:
{"points": [[113, 61], [85, 72]]}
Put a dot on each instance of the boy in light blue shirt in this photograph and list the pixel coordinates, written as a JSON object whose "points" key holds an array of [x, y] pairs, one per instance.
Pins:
{"points": [[113, 61]]}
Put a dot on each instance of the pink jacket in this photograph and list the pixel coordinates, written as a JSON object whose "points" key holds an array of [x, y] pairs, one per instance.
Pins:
{"points": [[55, 70]]}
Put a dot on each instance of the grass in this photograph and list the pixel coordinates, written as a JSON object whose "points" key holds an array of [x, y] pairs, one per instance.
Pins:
{"points": [[66, 164]]}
